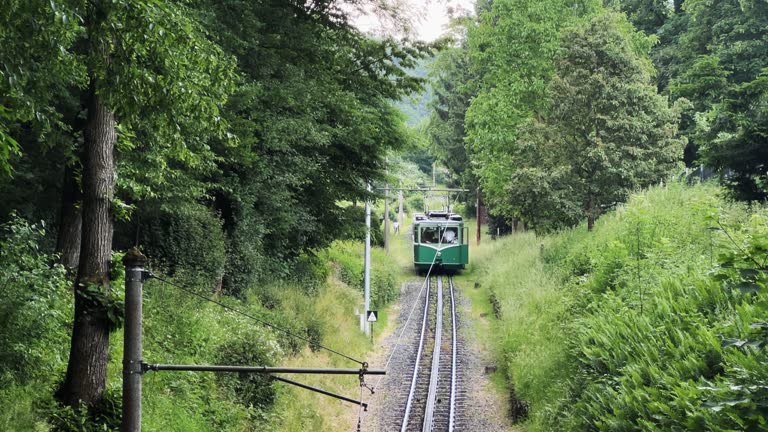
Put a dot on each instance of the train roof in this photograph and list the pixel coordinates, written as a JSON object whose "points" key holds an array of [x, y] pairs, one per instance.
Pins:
{"points": [[440, 218], [443, 215]]}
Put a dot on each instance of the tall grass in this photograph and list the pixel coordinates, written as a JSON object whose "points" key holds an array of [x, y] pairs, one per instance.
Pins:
{"points": [[531, 312], [627, 328]]}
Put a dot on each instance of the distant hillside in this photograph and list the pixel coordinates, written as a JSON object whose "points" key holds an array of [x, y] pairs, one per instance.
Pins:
{"points": [[416, 106]]}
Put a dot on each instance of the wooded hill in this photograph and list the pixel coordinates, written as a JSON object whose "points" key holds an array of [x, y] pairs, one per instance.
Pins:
{"points": [[558, 109]]}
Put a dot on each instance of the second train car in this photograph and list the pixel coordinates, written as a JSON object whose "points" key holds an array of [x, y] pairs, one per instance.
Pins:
{"points": [[440, 239]]}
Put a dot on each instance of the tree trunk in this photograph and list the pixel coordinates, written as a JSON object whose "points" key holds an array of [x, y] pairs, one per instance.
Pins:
{"points": [[590, 213], [70, 221], [87, 368]]}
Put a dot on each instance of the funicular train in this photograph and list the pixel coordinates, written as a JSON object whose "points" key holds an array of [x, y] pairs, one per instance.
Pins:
{"points": [[440, 241]]}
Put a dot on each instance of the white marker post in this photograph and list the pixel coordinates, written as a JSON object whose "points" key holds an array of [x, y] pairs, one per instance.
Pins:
{"points": [[371, 317]]}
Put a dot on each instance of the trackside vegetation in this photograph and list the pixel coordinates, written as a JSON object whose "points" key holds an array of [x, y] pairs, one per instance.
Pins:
{"points": [[656, 321], [36, 312]]}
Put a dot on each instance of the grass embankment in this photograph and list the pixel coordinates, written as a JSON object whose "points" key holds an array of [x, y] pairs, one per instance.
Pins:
{"points": [[655, 321], [181, 329]]}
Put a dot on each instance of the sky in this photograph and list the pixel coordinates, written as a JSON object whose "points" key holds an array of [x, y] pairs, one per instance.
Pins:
{"points": [[429, 17]]}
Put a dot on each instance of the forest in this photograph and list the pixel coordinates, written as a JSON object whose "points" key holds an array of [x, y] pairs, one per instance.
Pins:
{"points": [[233, 141], [557, 110]]}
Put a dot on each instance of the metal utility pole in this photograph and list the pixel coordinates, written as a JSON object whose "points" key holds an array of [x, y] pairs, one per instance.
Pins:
{"points": [[386, 218], [367, 264], [134, 366], [134, 263], [433, 174]]}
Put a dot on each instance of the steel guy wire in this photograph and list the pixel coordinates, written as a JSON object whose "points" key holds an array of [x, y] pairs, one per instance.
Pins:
{"points": [[258, 320], [360, 411]]}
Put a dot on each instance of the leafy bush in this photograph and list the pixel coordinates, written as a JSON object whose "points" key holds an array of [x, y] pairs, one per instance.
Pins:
{"points": [[245, 262], [187, 241], [355, 215], [347, 258], [310, 273], [415, 203], [656, 321], [105, 415], [35, 306], [384, 276], [250, 389], [347, 261]]}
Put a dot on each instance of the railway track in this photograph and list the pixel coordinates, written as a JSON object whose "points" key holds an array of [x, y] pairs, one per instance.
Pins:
{"points": [[432, 397]]}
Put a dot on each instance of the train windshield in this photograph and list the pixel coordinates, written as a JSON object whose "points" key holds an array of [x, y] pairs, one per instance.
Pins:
{"points": [[444, 235]]}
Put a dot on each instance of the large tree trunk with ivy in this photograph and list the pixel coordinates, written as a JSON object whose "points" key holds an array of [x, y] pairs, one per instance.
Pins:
{"points": [[70, 221], [87, 368]]}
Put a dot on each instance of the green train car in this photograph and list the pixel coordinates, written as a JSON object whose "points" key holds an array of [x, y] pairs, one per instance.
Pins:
{"points": [[440, 237]]}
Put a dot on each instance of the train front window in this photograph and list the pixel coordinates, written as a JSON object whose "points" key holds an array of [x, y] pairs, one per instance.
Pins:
{"points": [[429, 235], [450, 235]]}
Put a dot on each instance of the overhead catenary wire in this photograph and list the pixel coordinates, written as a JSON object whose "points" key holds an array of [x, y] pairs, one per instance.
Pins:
{"points": [[259, 320], [402, 332]]}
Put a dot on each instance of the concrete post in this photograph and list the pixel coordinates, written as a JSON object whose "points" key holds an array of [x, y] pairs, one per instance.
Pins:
{"points": [[386, 218], [367, 264], [134, 263]]}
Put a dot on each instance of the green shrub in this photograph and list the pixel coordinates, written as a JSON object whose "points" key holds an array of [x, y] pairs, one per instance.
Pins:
{"points": [[35, 306], [347, 258], [250, 389], [384, 287], [310, 273], [245, 263], [655, 321], [105, 415], [21, 407], [187, 241], [415, 203]]}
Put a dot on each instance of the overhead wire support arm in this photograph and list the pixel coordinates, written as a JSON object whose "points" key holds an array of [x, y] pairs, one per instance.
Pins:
{"points": [[259, 369], [422, 189], [321, 391], [145, 367], [134, 367]]}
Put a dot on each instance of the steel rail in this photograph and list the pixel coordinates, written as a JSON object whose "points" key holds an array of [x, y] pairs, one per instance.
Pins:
{"points": [[429, 411], [454, 350], [412, 391]]}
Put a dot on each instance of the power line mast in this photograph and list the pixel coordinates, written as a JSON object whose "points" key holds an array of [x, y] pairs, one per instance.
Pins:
{"points": [[386, 218], [134, 367], [367, 265]]}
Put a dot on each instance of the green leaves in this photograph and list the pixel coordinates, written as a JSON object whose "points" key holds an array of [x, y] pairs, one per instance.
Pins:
{"points": [[36, 66], [312, 113], [35, 306], [566, 120]]}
